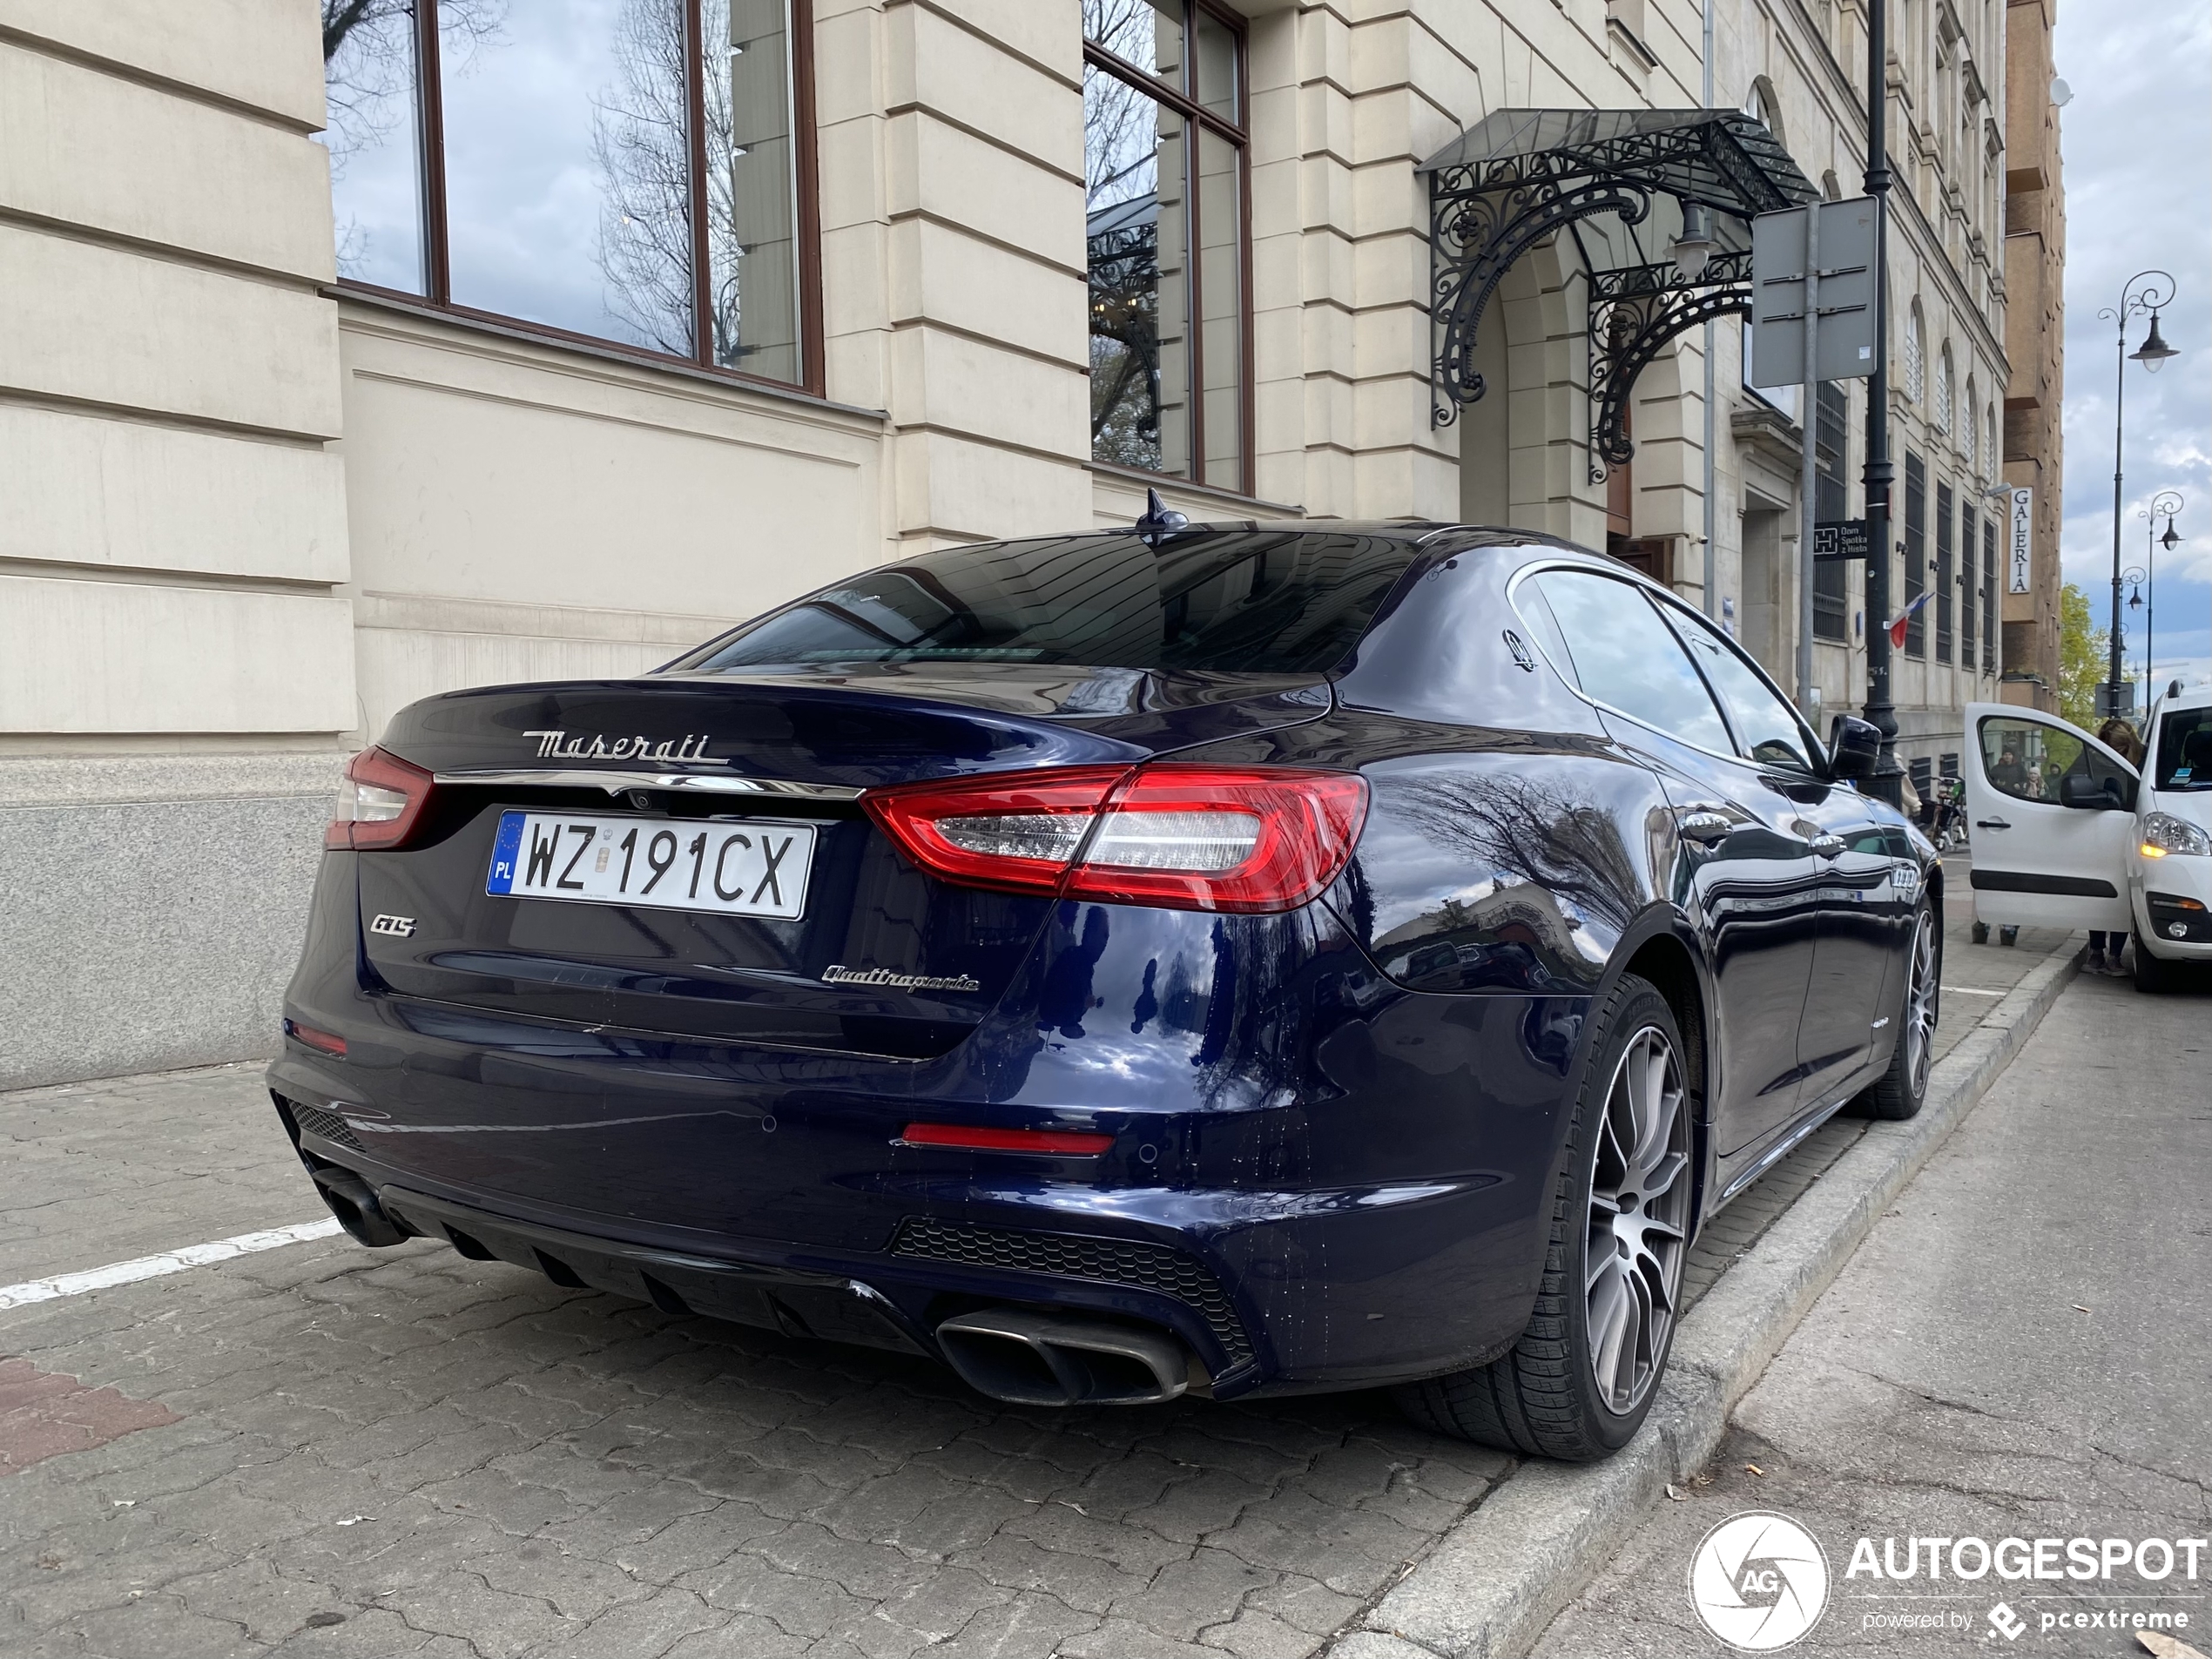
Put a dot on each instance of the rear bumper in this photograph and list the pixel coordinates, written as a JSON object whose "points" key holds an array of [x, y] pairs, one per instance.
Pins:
{"points": [[1376, 1232], [771, 1296]]}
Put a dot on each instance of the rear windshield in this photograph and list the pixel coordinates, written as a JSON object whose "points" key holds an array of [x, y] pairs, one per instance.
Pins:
{"points": [[1252, 600], [2184, 758]]}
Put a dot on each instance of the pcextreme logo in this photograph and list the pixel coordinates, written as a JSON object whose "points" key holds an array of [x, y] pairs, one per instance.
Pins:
{"points": [[1759, 1582]]}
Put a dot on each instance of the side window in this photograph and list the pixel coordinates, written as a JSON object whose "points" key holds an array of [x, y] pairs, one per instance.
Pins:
{"points": [[2029, 760], [1625, 658], [1769, 729]]}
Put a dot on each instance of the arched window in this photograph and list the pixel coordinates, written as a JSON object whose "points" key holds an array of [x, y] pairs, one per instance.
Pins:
{"points": [[1916, 355], [1969, 427], [1762, 104], [1943, 392]]}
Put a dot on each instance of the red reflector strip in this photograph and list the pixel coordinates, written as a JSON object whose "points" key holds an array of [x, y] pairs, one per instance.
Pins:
{"points": [[1052, 1142], [328, 1041]]}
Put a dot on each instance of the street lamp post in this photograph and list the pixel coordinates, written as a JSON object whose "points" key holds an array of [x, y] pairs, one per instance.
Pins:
{"points": [[2166, 504], [1888, 781], [2144, 293]]}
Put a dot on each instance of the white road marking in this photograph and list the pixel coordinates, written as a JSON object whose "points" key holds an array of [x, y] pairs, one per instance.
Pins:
{"points": [[1968, 991], [170, 1261]]}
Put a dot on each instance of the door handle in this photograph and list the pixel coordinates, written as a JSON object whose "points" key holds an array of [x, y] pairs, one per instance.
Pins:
{"points": [[1828, 846], [1702, 824], [1990, 823]]}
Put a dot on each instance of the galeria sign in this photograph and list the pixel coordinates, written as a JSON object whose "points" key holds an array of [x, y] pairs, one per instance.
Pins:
{"points": [[2023, 523]]}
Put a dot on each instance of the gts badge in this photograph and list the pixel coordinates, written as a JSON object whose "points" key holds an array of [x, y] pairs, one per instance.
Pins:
{"points": [[394, 927]]}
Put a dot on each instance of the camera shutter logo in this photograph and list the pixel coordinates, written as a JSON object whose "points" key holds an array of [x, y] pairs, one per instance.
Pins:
{"points": [[1759, 1582]]}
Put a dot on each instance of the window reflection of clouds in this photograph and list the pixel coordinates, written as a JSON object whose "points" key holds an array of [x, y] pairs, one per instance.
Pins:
{"points": [[373, 137], [524, 188], [564, 130]]}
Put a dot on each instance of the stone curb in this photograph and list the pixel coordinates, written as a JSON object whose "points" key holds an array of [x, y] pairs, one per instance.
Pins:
{"points": [[1497, 1580]]}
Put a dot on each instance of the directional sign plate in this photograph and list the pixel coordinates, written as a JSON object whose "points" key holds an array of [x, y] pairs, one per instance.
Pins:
{"points": [[1838, 539], [1844, 341]]}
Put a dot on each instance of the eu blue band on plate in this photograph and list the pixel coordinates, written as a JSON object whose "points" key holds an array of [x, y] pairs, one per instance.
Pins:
{"points": [[504, 853]]}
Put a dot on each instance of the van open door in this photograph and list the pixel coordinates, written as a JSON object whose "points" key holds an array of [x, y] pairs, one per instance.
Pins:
{"points": [[2053, 812]]}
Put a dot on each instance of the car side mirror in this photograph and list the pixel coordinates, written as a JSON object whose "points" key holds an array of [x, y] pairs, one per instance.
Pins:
{"points": [[1853, 747], [2092, 794]]}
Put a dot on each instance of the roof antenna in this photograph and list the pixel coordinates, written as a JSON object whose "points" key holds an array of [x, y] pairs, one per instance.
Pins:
{"points": [[1160, 520]]}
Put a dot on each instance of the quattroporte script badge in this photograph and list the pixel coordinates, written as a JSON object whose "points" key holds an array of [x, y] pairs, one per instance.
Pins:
{"points": [[1759, 1582], [838, 974]]}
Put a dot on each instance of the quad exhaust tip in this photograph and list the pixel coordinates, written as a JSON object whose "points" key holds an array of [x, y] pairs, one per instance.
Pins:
{"points": [[356, 1207], [1029, 1358]]}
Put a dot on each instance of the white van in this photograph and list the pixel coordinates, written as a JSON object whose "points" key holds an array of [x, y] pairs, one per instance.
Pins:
{"points": [[2065, 835]]}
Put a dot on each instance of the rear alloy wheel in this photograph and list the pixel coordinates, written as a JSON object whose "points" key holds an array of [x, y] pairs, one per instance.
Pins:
{"points": [[1581, 1377], [1903, 1089]]}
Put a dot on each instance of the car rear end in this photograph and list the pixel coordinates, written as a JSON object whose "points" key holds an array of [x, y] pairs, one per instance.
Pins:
{"points": [[954, 1005]]}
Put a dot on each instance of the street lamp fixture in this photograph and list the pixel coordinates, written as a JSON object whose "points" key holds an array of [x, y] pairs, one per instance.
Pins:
{"points": [[2154, 350], [2133, 578], [1693, 249], [2166, 504], [2147, 294]]}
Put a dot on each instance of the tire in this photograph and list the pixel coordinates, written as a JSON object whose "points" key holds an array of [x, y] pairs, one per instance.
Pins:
{"points": [[1902, 1089], [2152, 976], [1559, 1392]]}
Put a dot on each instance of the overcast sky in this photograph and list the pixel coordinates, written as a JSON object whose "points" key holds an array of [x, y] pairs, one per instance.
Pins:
{"points": [[2138, 158]]}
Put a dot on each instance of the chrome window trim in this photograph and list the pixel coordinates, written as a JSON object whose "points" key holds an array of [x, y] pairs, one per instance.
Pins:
{"points": [[1642, 584], [615, 782]]}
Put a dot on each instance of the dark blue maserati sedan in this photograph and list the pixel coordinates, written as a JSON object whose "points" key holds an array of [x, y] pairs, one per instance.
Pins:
{"points": [[1219, 959]]}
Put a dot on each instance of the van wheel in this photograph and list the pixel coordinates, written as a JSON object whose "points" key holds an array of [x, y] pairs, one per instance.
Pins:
{"points": [[1903, 1089], [1579, 1382], [2152, 975]]}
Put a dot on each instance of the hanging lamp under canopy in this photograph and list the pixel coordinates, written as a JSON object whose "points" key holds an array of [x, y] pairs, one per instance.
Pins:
{"points": [[1660, 203]]}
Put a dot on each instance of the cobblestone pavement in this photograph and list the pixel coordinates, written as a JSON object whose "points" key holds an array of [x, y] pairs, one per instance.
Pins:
{"points": [[326, 1450]]}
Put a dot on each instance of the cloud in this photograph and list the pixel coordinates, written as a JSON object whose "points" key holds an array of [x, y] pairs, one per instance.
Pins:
{"points": [[2137, 147]]}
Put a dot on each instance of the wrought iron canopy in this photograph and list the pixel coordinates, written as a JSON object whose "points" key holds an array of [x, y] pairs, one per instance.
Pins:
{"points": [[1520, 176]]}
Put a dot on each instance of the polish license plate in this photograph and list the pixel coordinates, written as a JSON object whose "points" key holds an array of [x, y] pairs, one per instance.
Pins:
{"points": [[747, 868]]}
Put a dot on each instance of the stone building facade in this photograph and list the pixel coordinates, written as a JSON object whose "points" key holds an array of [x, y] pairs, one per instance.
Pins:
{"points": [[360, 351], [1803, 67], [2033, 437]]}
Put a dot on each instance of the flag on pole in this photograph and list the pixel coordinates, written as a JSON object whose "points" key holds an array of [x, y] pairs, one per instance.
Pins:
{"points": [[1904, 618]]}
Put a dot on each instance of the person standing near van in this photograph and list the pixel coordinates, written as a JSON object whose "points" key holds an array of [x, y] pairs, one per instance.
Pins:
{"points": [[2105, 949]]}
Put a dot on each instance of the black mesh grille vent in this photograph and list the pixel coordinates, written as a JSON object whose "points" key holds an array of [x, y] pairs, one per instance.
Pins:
{"points": [[1108, 1261], [326, 1125]]}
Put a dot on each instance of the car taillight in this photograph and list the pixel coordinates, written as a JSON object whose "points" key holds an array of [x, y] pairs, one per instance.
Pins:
{"points": [[1052, 1143], [1185, 836], [379, 803], [329, 1041]]}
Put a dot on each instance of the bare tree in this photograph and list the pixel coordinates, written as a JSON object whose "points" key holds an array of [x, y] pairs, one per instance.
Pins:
{"points": [[1121, 154], [1510, 822], [641, 141], [369, 67]]}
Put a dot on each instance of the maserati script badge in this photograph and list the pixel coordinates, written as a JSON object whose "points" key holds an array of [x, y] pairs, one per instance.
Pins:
{"points": [[559, 745]]}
